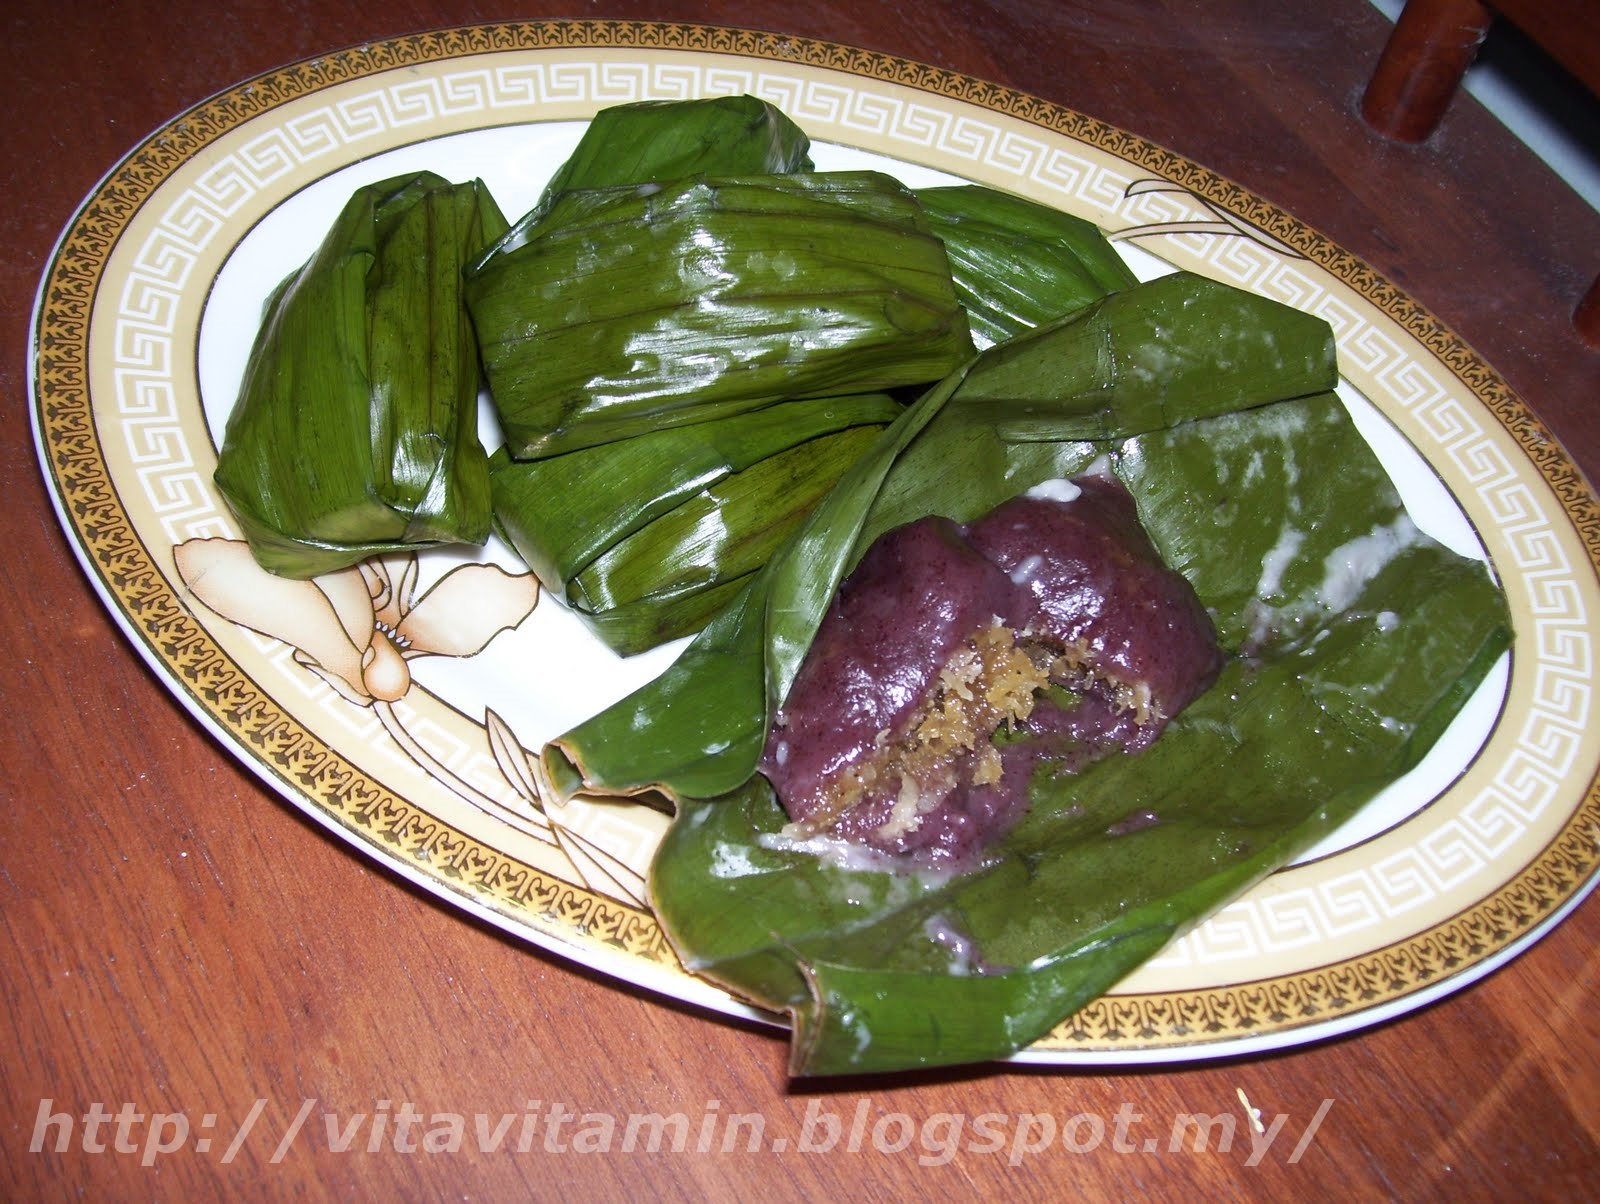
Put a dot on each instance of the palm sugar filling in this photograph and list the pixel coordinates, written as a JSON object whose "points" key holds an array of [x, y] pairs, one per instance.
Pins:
{"points": [[956, 657]]}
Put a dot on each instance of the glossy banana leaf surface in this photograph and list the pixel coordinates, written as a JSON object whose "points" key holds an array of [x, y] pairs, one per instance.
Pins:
{"points": [[720, 534], [355, 432], [671, 139], [630, 309], [641, 536], [1018, 264], [1352, 637]]}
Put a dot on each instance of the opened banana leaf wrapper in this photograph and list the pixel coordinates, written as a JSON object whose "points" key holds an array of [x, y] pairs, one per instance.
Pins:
{"points": [[1349, 637], [355, 431]]}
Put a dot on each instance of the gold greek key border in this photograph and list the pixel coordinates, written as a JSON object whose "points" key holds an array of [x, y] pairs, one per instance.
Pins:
{"points": [[1277, 1005], [569, 913]]}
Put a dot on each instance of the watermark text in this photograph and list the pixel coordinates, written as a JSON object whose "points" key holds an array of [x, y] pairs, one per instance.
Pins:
{"points": [[560, 1128]]}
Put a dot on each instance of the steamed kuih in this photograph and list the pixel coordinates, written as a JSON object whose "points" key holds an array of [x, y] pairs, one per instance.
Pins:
{"points": [[647, 513], [629, 309], [1349, 639], [355, 431], [1050, 618]]}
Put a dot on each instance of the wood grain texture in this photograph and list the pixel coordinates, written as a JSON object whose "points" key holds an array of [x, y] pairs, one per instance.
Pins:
{"points": [[175, 937]]}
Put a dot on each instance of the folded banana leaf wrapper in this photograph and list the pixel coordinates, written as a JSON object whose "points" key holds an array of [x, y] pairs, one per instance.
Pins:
{"points": [[355, 431], [671, 139], [1018, 264], [647, 538], [630, 309], [1352, 640]]}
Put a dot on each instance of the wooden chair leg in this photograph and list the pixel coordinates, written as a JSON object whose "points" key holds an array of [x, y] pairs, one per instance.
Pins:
{"points": [[1432, 46]]}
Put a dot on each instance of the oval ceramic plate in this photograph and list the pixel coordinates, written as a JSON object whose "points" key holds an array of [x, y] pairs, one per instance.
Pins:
{"points": [[145, 317]]}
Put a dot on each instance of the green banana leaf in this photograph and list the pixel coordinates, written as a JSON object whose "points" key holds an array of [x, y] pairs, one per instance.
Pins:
{"points": [[1353, 639], [355, 432], [1018, 264], [561, 512], [637, 308], [722, 533], [643, 536], [656, 618], [670, 139]]}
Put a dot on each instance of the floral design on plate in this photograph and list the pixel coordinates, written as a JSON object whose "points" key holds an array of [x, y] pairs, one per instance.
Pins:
{"points": [[359, 628]]}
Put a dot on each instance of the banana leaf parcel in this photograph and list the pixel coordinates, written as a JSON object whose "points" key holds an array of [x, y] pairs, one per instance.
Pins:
{"points": [[355, 432], [630, 309], [1018, 264], [1352, 639], [647, 538]]}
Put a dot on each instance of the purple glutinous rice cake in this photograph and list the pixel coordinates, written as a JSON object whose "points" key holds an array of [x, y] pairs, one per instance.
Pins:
{"points": [[954, 657]]}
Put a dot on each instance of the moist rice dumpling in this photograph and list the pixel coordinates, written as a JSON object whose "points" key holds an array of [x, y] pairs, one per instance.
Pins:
{"points": [[955, 657]]}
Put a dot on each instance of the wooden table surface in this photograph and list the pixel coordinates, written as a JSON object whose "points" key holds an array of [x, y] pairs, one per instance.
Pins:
{"points": [[178, 940]]}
